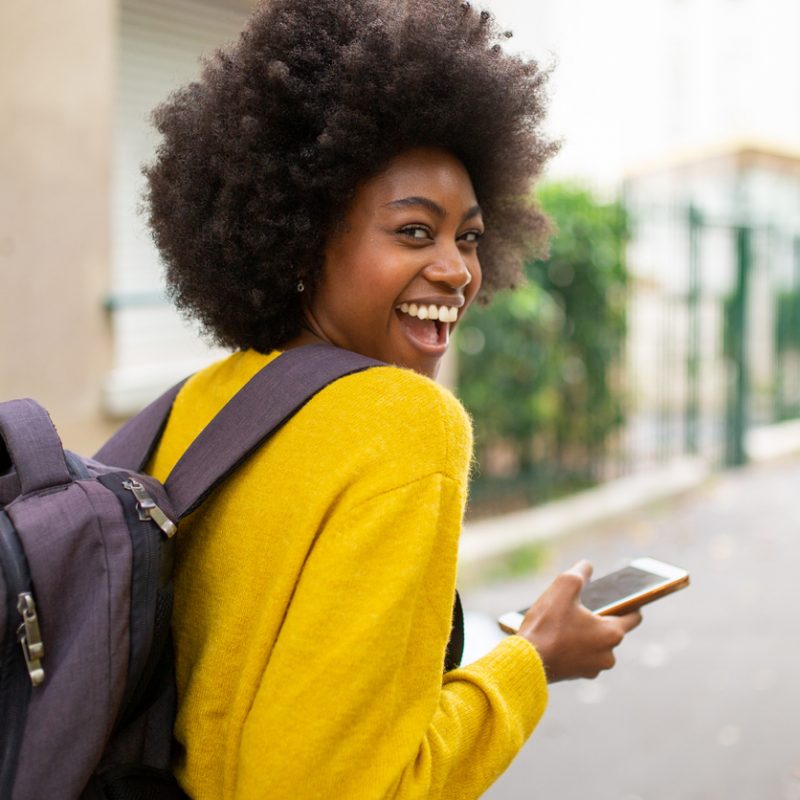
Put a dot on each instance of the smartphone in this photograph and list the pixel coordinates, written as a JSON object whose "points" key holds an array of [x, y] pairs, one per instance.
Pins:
{"points": [[635, 585]]}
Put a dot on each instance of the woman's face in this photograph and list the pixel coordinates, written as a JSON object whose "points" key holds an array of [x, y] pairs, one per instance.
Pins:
{"points": [[402, 269]]}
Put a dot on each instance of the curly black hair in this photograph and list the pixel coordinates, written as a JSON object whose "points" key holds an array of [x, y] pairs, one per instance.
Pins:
{"points": [[261, 156]]}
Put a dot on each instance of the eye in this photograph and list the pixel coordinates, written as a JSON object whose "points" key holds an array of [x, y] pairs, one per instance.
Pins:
{"points": [[471, 237], [418, 232]]}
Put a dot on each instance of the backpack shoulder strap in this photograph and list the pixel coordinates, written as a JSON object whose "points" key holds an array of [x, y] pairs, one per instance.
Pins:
{"points": [[133, 444], [265, 402], [259, 408]]}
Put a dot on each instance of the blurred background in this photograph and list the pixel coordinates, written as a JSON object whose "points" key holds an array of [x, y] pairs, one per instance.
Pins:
{"points": [[640, 395]]}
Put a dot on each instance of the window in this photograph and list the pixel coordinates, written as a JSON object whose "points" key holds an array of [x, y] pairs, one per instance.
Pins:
{"points": [[159, 46]]}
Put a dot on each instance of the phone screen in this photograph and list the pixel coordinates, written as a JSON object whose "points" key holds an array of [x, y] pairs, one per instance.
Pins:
{"points": [[617, 585]]}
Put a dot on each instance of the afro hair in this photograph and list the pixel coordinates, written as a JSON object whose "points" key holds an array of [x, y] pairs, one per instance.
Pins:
{"points": [[261, 156]]}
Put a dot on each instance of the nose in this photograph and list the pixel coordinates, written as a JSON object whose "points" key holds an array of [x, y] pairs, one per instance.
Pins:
{"points": [[452, 269]]}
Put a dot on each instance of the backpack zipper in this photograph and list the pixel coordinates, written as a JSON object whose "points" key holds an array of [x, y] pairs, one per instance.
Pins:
{"points": [[30, 638], [15, 688], [152, 564], [147, 508], [15, 567]]}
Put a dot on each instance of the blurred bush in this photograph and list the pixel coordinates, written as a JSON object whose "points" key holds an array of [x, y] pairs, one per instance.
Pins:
{"points": [[787, 355], [539, 367]]}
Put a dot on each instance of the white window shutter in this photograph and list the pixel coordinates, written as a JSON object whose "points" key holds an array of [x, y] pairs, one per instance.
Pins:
{"points": [[160, 43]]}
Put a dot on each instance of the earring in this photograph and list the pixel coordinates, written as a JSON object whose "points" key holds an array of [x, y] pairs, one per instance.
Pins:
{"points": [[300, 287]]}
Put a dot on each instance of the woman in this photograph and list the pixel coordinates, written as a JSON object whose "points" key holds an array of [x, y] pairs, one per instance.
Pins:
{"points": [[354, 173]]}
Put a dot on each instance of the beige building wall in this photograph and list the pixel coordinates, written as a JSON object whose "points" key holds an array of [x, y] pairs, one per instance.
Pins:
{"points": [[56, 113]]}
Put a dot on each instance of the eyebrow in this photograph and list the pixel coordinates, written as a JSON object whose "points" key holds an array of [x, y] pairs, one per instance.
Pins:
{"points": [[432, 206]]}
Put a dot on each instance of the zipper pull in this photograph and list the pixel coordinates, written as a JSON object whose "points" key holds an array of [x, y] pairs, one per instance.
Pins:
{"points": [[148, 510], [30, 638]]}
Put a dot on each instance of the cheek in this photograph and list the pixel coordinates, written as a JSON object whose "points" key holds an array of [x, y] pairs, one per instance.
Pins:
{"points": [[356, 296]]}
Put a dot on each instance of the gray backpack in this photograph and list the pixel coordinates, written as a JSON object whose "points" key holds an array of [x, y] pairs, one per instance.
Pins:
{"points": [[87, 693]]}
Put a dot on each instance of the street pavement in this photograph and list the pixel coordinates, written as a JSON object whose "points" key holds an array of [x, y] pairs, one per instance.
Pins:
{"points": [[704, 703]]}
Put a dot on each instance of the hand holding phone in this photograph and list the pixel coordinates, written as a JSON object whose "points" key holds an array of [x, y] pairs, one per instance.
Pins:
{"points": [[640, 582], [573, 641]]}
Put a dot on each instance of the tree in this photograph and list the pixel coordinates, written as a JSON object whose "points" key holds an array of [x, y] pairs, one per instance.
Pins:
{"points": [[537, 368]]}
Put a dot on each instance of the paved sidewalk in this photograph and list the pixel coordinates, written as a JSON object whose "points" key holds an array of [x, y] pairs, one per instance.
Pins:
{"points": [[704, 703], [498, 535]]}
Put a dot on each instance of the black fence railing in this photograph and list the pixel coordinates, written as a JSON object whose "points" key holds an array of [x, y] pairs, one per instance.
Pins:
{"points": [[711, 350]]}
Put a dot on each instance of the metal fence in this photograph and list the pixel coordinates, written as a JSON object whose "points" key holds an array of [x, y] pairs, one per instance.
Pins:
{"points": [[714, 333], [712, 351]]}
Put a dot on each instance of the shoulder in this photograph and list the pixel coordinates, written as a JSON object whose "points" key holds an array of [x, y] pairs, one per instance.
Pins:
{"points": [[393, 416], [384, 418], [386, 393], [203, 395], [401, 400]]}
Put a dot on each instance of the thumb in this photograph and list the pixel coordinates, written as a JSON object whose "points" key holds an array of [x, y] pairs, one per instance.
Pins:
{"points": [[582, 569]]}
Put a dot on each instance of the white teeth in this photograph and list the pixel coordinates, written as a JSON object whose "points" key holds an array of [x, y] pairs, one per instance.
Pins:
{"points": [[442, 313]]}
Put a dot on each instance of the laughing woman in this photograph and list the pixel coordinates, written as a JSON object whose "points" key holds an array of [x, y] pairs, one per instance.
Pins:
{"points": [[355, 172]]}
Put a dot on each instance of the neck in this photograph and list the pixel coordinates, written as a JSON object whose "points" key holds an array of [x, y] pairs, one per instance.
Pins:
{"points": [[310, 334]]}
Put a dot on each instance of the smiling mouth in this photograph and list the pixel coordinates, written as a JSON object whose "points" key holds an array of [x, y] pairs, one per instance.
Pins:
{"points": [[428, 327]]}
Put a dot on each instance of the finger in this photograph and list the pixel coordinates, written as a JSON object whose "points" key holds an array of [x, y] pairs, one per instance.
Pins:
{"points": [[582, 569], [630, 621]]}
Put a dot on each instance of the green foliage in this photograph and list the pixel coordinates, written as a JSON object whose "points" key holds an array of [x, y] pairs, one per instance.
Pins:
{"points": [[787, 320], [536, 368]]}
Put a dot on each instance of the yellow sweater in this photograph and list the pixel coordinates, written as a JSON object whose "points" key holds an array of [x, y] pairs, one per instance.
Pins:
{"points": [[313, 600]]}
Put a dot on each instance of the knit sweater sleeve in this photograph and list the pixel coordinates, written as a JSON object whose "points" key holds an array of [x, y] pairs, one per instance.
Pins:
{"points": [[352, 702]]}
